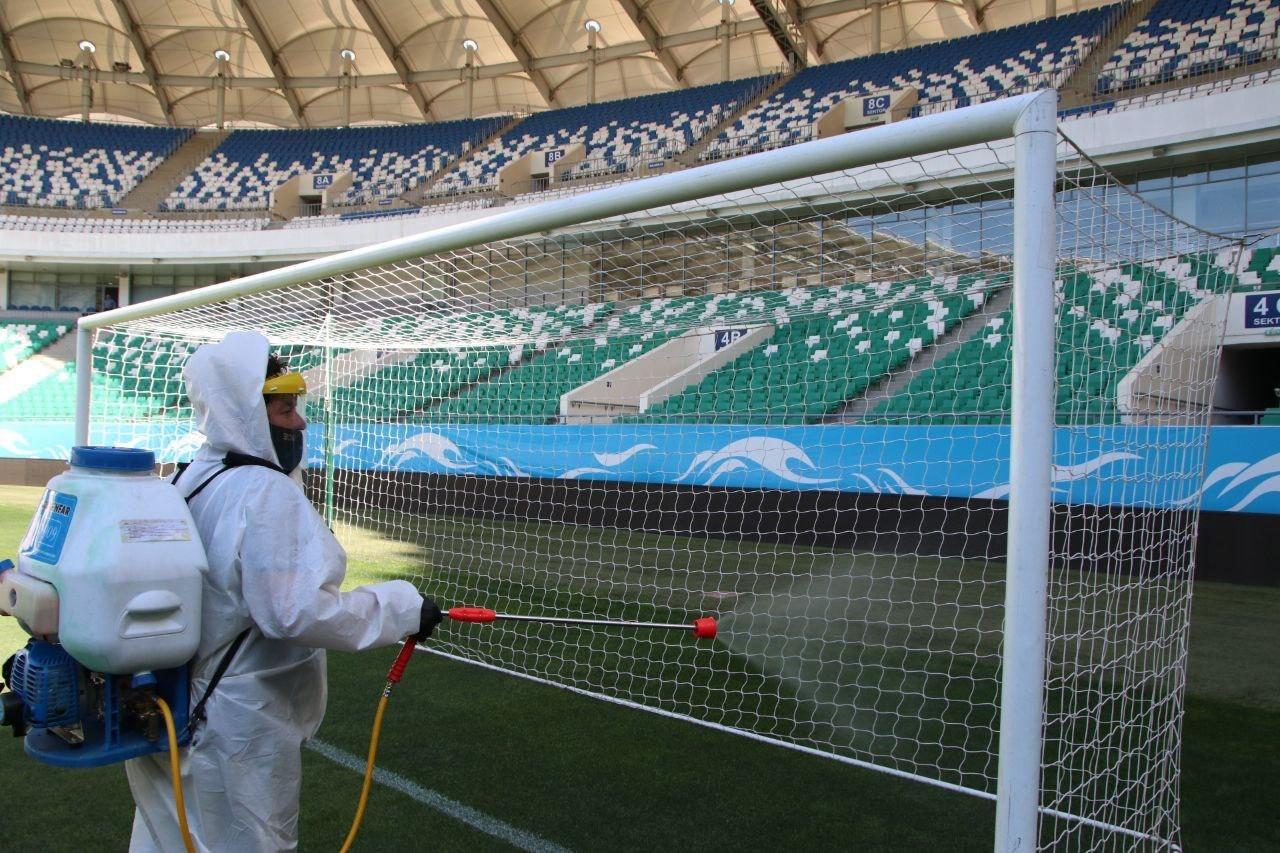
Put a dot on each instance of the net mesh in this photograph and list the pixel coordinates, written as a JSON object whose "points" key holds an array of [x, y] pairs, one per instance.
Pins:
{"points": [[788, 407]]}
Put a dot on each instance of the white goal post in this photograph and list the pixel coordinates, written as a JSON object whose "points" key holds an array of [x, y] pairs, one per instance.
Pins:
{"points": [[1026, 125]]}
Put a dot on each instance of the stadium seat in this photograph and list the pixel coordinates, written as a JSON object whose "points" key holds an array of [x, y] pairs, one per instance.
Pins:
{"points": [[827, 347], [1108, 319], [385, 161], [68, 224], [614, 133], [57, 163], [956, 71], [433, 376], [1185, 38], [20, 339]]}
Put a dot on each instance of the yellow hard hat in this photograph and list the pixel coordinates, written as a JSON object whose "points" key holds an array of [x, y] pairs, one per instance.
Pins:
{"points": [[285, 383]]}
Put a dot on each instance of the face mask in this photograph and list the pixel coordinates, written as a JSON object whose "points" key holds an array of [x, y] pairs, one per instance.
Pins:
{"points": [[289, 444]]}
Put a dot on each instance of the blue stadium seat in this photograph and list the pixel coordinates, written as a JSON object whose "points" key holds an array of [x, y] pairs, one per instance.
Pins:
{"points": [[957, 71], [241, 172], [614, 133], [1184, 38], [59, 163]]}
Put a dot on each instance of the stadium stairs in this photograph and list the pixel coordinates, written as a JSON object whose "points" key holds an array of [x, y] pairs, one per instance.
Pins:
{"points": [[493, 371], [689, 156], [351, 366], [419, 194], [1187, 46], [1259, 269], [37, 367], [856, 410], [1078, 89], [164, 179], [1108, 319]]}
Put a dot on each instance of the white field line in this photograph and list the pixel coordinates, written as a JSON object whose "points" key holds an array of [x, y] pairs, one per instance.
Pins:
{"points": [[843, 759], [435, 800]]}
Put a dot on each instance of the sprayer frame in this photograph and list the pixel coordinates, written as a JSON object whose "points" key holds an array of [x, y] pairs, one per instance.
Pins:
{"points": [[1030, 120]]}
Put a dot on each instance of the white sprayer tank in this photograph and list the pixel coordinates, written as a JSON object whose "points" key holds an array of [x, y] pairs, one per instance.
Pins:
{"points": [[120, 547]]}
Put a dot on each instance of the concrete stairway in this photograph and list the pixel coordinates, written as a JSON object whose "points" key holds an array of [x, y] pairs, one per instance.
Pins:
{"points": [[38, 367], [896, 382], [156, 187], [418, 193], [1077, 90], [689, 156]]}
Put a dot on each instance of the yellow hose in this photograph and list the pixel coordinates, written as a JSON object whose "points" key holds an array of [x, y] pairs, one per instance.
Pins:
{"points": [[175, 770], [368, 769]]}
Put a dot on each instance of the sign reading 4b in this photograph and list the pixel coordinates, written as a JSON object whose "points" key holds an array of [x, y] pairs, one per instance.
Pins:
{"points": [[1262, 311], [724, 337]]}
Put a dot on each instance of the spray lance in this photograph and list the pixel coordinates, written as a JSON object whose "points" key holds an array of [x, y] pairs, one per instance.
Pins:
{"points": [[703, 628]]}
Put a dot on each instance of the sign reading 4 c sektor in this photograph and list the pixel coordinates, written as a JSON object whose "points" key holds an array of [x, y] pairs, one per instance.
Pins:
{"points": [[1262, 311]]}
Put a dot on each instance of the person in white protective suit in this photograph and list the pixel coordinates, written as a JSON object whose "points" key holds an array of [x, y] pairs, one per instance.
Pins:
{"points": [[274, 575]]}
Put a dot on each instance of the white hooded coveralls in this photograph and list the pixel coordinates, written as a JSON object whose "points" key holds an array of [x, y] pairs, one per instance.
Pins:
{"points": [[275, 568]]}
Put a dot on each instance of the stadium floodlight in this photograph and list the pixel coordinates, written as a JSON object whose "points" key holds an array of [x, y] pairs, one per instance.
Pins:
{"points": [[840, 440], [592, 25], [88, 46], [221, 55]]}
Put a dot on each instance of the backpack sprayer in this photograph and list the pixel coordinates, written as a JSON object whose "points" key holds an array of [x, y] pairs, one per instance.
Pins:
{"points": [[108, 584]]}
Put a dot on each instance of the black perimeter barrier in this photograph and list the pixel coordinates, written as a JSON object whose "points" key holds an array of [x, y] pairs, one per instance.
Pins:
{"points": [[1233, 547]]}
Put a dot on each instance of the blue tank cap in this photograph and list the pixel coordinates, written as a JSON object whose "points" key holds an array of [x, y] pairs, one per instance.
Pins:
{"points": [[128, 459]]}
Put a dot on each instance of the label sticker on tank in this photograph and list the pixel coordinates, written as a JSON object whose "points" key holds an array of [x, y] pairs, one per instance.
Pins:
{"points": [[155, 530], [48, 531]]}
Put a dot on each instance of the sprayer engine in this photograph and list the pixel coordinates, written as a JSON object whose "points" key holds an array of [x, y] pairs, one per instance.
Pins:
{"points": [[108, 585], [73, 717]]}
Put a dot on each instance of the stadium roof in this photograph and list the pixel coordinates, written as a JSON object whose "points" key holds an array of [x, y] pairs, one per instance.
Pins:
{"points": [[154, 60]]}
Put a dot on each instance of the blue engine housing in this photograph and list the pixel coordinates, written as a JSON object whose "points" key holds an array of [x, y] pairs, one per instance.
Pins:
{"points": [[47, 679], [115, 715]]}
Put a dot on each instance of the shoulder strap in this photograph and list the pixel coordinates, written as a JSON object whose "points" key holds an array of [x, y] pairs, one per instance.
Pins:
{"points": [[231, 460], [239, 460], [197, 712]]}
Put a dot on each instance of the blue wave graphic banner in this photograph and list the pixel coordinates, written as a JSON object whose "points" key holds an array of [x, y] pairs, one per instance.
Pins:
{"points": [[1144, 466]]}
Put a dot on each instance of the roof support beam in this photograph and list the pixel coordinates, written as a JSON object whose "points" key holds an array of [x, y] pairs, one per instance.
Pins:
{"points": [[975, 15], [640, 18], [811, 40], [781, 18], [380, 33], [144, 56], [15, 76], [503, 26], [838, 7], [705, 36], [269, 53]]}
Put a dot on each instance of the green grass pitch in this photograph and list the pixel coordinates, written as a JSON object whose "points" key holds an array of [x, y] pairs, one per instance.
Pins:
{"points": [[584, 774]]}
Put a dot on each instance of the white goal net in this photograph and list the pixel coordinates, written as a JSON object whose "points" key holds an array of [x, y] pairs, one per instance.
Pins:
{"points": [[788, 405]]}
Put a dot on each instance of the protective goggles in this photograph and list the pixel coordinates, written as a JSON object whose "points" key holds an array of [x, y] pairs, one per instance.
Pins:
{"points": [[285, 383]]}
